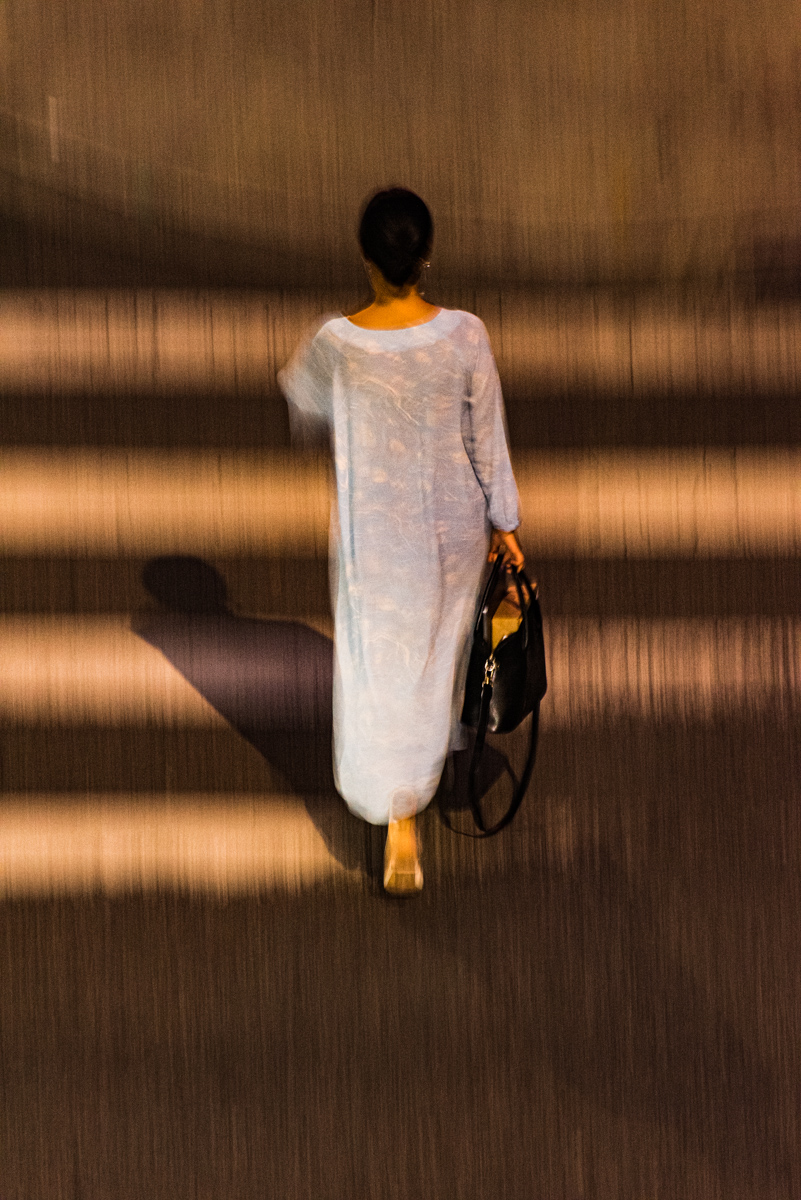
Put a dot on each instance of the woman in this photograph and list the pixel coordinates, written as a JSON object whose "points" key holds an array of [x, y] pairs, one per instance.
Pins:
{"points": [[411, 395]]}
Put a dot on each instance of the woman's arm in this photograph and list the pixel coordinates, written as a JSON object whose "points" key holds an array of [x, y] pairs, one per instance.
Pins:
{"points": [[484, 435], [306, 383]]}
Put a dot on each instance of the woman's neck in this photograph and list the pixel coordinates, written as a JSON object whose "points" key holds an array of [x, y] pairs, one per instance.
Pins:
{"points": [[392, 311]]}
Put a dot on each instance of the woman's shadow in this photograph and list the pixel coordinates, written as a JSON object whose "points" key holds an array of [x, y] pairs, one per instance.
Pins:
{"points": [[269, 679]]}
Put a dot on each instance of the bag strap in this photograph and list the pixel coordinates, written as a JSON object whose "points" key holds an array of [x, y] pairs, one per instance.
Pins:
{"points": [[517, 797], [475, 762]]}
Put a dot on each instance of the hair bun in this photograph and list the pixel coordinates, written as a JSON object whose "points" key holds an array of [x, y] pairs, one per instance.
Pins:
{"points": [[395, 233]]}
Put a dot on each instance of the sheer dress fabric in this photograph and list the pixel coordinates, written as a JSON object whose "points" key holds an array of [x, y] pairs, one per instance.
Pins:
{"points": [[422, 474]]}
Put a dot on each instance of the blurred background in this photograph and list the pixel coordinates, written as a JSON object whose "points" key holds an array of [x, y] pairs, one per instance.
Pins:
{"points": [[204, 991], [231, 142]]}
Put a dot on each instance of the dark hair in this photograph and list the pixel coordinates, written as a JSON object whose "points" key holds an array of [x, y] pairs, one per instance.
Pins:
{"points": [[396, 233]]}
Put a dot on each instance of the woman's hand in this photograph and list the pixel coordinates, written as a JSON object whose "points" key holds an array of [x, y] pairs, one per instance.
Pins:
{"points": [[514, 555]]}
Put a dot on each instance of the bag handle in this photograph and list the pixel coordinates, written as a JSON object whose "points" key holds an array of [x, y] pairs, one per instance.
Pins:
{"points": [[518, 573], [489, 589]]}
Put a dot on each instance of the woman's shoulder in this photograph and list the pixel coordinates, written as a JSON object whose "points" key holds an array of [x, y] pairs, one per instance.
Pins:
{"points": [[326, 325], [469, 322], [466, 329]]}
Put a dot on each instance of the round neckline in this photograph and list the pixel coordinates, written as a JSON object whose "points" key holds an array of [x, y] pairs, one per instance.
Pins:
{"points": [[394, 328]]}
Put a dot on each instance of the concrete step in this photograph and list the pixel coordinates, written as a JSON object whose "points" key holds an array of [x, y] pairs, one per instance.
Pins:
{"points": [[298, 587], [145, 341], [120, 843], [276, 674], [589, 368], [615, 802], [693, 502]]}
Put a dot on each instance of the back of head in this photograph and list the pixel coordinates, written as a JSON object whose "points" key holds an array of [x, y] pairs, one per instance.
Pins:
{"points": [[396, 233]]}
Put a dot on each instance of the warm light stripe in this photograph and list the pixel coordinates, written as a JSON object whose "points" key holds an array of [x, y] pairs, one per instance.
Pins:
{"points": [[644, 503], [142, 502], [118, 843], [75, 670], [677, 670], [77, 339], [637, 503]]}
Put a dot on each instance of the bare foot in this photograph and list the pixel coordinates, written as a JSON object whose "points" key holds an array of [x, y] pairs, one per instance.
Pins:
{"points": [[403, 875]]}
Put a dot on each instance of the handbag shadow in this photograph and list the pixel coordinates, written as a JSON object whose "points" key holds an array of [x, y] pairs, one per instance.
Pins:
{"points": [[269, 679], [452, 794]]}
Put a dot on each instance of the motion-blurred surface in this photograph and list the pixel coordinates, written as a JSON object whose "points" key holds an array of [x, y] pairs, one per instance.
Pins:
{"points": [[204, 990], [222, 141]]}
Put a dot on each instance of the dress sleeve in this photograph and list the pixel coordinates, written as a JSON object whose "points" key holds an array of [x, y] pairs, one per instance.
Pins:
{"points": [[307, 384], [484, 435]]}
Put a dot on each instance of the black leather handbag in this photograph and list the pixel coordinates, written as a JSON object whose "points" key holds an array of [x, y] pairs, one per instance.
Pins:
{"points": [[504, 684]]}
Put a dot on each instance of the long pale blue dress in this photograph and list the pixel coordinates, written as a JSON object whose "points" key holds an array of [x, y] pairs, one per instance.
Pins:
{"points": [[422, 475]]}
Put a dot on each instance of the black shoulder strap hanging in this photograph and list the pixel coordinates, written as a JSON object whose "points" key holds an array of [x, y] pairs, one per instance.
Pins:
{"points": [[472, 778]]}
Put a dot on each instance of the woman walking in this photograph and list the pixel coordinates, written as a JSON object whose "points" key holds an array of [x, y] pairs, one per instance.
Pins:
{"points": [[425, 489]]}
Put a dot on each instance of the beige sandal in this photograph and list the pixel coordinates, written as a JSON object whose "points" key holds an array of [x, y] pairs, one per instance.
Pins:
{"points": [[403, 875]]}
